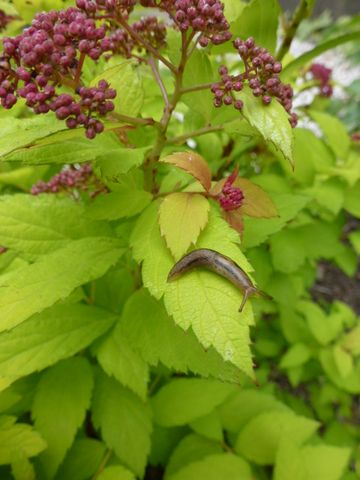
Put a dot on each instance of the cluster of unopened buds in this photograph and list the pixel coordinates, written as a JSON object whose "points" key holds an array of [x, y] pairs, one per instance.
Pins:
{"points": [[205, 17], [230, 197], [323, 75], [261, 75], [70, 180]]}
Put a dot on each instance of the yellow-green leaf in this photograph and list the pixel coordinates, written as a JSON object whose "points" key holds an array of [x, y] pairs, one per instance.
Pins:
{"points": [[182, 216], [192, 163]]}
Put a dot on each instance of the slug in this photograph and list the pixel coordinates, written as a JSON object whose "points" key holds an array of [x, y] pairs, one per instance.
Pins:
{"points": [[220, 264]]}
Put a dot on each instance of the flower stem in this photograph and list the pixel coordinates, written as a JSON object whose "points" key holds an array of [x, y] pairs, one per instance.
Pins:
{"points": [[158, 79], [196, 133], [145, 43], [302, 11], [196, 88]]}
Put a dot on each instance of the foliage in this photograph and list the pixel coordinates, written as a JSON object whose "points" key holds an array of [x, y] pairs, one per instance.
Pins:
{"points": [[107, 370]]}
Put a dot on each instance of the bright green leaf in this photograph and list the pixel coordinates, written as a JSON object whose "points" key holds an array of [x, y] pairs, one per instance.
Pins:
{"points": [[41, 224], [82, 460], [60, 403], [124, 421], [118, 359], [150, 331], [116, 472], [182, 216], [54, 277], [150, 249], [334, 131], [50, 336], [297, 355], [209, 426], [18, 438]]}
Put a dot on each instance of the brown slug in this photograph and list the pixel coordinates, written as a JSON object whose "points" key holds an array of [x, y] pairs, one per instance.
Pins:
{"points": [[220, 264]]}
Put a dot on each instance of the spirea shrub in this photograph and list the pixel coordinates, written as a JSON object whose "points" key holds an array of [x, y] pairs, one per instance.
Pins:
{"points": [[133, 133]]}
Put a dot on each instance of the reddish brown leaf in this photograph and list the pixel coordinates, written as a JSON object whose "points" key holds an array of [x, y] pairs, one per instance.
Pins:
{"points": [[235, 219], [257, 203], [192, 163]]}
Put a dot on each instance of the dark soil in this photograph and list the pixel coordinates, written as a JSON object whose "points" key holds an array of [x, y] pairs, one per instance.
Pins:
{"points": [[333, 284]]}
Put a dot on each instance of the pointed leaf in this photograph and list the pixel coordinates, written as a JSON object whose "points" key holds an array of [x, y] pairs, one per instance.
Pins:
{"points": [[117, 358], [150, 249], [18, 438], [82, 460], [54, 277], [210, 305], [257, 203], [124, 421], [52, 335], [182, 216], [41, 224], [271, 121], [192, 163], [150, 331], [60, 403]]}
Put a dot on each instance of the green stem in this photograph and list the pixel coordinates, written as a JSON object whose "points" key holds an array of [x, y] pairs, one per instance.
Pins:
{"points": [[300, 14], [196, 88], [158, 79], [196, 133], [102, 465], [154, 155], [134, 120]]}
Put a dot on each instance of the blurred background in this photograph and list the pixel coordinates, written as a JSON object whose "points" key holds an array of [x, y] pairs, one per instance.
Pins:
{"points": [[337, 7]]}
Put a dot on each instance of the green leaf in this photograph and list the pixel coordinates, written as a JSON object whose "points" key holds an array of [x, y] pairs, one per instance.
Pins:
{"points": [[54, 277], [50, 336], [150, 249], [116, 472], [287, 250], [182, 216], [60, 403], [118, 359], [244, 405], [199, 71], [297, 355], [256, 231], [124, 421], [310, 462], [321, 326], [41, 224], [150, 331], [190, 449], [127, 82], [343, 360], [259, 440], [349, 383], [18, 438], [112, 167], [352, 204], [303, 59], [193, 164], [210, 305], [334, 131], [354, 238], [259, 20], [185, 399], [19, 133], [82, 460], [209, 426], [125, 202], [311, 155], [225, 466], [351, 341], [271, 121], [22, 468]]}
